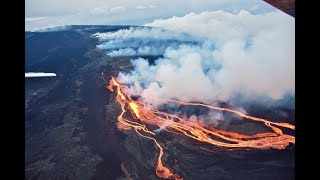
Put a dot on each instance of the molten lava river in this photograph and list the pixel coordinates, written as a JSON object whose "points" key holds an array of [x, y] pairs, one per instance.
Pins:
{"points": [[143, 115]]}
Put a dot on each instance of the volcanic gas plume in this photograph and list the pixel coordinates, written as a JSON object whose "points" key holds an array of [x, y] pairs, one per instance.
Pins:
{"points": [[220, 57], [144, 116]]}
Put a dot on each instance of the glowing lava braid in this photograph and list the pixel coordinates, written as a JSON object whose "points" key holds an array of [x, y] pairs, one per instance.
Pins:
{"points": [[143, 115]]}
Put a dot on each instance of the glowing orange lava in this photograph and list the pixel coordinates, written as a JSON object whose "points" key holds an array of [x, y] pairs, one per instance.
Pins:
{"points": [[143, 115]]}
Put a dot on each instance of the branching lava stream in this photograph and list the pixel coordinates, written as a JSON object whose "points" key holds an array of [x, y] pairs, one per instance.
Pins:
{"points": [[143, 115]]}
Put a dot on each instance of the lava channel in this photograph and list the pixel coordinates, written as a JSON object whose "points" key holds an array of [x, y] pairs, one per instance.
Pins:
{"points": [[143, 115]]}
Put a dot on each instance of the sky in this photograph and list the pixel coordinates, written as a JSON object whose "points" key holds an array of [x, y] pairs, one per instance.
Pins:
{"points": [[41, 14]]}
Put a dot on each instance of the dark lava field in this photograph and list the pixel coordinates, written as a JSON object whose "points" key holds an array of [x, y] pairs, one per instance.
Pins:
{"points": [[71, 122]]}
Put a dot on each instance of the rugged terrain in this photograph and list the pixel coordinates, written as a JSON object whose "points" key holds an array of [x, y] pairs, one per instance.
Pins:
{"points": [[71, 122]]}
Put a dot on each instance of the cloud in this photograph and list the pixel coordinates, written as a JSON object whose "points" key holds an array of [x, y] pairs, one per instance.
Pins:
{"points": [[146, 7], [105, 10], [141, 7], [152, 6], [99, 10], [118, 9], [61, 12], [31, 19], [46, 23], [241, 54], [254, 8]]}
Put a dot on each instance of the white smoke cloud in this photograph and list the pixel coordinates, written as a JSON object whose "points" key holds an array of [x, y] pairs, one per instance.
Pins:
{"points": [[121, 52], [141, 41], [166, 124], [140, 51], [252, 55], [211, 118], [143, 33], [221, 26]]}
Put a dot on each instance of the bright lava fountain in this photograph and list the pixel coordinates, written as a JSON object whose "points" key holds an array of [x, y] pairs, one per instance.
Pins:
{"points": [[143, 115]]}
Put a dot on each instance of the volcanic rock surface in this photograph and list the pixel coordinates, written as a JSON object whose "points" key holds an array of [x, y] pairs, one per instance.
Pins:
{"points": [[71, 122]]}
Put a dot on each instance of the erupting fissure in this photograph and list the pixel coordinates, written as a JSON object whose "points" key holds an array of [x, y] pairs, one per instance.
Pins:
{"points": [[143, 115]]}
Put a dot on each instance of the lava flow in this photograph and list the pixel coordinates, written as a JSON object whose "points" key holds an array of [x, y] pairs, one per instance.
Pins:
{"points": [[143, 115]]}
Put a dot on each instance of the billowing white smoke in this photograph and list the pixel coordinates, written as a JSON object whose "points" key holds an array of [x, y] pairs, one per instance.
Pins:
{"points": [[251, 55], [236, 54], [222, 27], [142, 33], [211, 118], [140, 41]]}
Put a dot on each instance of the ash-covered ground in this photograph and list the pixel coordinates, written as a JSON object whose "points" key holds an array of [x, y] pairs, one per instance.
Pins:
{"points": [[71, 122]]}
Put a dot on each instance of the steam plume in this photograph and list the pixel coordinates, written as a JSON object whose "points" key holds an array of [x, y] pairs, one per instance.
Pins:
{"points": [[141, 41], [243, 54]]}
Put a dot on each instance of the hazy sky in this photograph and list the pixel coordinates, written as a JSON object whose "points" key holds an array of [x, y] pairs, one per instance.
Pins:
{"points": [[50, 13]]}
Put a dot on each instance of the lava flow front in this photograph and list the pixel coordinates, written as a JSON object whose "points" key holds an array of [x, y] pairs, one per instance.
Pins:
{"points": [[143, 116]]}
